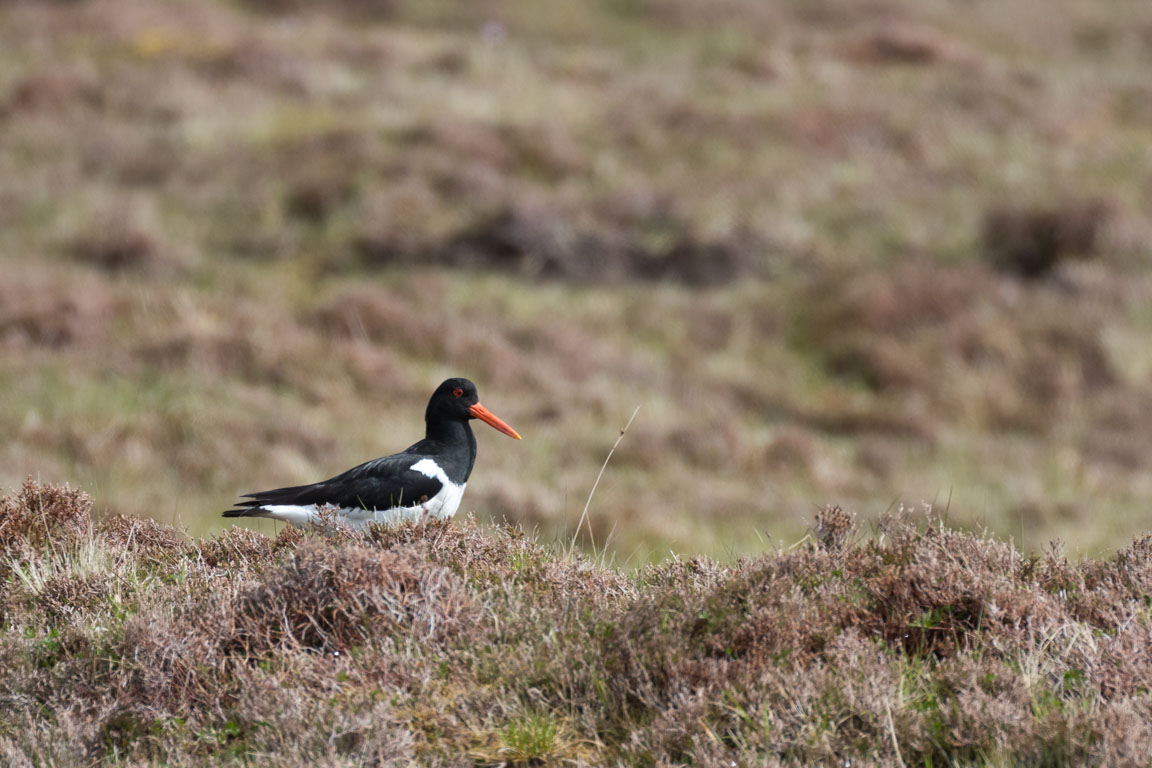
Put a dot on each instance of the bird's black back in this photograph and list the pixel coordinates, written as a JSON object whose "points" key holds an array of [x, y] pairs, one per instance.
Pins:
{"points": [[382, 483]]}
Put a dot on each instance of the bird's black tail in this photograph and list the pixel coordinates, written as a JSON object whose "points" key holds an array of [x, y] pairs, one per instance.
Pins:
{"points": [[246, 508], [237, 512]]}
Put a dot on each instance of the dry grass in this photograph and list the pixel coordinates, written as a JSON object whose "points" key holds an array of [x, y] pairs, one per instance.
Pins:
{"points": [[124, 642]]}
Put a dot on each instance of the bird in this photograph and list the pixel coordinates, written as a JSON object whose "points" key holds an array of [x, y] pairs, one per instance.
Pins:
{"points": [[426, 480]]}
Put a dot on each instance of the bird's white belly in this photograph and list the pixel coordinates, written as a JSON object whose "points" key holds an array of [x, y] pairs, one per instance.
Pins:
{"points": [[440, 507]]}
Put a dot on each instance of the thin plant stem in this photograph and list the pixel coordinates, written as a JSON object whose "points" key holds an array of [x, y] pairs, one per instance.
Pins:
{"points": [[584, 514]]}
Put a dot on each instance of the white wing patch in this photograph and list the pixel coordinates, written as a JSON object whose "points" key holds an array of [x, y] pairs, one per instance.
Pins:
{"points": [[440, 507], [429, 468]]}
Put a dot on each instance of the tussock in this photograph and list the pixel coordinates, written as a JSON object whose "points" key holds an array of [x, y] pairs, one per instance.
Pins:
{"points": [[330, 598], [1031, 242], [236, 547], [145, 538], [40, 515], [833, 526], [894, 334], [455, 644]]}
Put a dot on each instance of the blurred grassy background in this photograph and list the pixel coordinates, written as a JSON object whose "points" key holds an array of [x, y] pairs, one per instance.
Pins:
{"points": [[838, 252]]}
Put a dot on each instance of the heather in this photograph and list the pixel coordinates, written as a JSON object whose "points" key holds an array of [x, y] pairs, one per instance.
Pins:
{"points": [[899, 642]]}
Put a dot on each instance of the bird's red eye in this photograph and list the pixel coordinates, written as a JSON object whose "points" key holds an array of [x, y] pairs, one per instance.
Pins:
{"points": [[458, 392]]}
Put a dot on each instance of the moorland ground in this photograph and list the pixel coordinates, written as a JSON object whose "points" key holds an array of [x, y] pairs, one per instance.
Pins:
{"points": [[453, 644], [838, 252]]}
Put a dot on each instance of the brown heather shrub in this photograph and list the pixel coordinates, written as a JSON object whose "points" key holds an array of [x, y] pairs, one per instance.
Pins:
{"points": [[64, 596], [952, 345], [510, 558], [235, 548], [146, 539], [117, 247], [44, 306], [320, 171], [904, 43], [331, 598], [833, 527], [452, 644], [56, 90], [40, 515], [193, 653], [1030, 242]]}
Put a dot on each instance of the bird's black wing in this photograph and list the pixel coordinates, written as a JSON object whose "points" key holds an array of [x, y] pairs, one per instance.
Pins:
{"points": [[382, 483]]}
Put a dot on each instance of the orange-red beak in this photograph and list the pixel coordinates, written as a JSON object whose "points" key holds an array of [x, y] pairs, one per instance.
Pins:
{"points": [[490, 419]]}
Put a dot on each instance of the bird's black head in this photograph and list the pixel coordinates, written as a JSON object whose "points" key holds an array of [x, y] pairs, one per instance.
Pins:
{"points": [[457, 400]]}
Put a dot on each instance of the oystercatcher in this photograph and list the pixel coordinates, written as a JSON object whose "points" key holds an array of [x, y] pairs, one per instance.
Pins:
{"points": [[426, 480]]}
